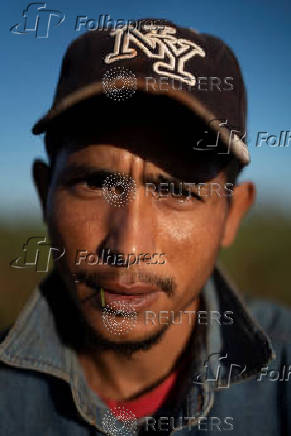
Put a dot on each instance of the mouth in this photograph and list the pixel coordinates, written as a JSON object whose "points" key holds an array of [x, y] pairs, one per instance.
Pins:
{"points": [[136, 301], [135, 297]]}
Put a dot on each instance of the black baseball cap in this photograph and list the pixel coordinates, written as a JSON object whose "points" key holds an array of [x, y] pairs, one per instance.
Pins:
{"points": [[159, 58]]}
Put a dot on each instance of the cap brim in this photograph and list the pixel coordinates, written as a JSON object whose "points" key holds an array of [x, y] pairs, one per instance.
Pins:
{"points": [[233, 143]]}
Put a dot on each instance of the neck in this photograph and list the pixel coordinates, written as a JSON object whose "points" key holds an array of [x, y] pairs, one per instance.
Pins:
{"points": [[119, 377]]}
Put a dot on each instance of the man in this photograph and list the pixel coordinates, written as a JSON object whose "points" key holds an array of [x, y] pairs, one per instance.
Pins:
{"points": [[136, 331]]}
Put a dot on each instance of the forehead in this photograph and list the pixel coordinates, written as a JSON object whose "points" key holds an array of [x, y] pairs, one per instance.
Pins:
{"points": [[157, 130]]}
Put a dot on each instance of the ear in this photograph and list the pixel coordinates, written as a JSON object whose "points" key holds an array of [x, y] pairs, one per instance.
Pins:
{"points": [[41, 177], [242, 199]]}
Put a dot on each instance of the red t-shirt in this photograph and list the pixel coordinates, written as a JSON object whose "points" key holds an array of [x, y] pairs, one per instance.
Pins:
{"points": [[148, 403]]}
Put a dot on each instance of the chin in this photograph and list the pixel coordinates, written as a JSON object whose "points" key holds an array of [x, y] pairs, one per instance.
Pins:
{"points": [[124, 328]]}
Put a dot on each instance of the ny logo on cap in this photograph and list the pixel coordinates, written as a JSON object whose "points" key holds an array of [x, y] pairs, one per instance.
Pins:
{"points": [[157, 42]]}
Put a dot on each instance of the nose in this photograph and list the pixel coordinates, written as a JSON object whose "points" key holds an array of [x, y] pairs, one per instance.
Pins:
{"points": [[132, 227]]}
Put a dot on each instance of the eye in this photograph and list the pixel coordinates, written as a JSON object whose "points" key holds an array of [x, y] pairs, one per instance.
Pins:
{"points": [[191, 195], [180, 193], [177, 196], [85, 185], [91, 182], [94, 182]]}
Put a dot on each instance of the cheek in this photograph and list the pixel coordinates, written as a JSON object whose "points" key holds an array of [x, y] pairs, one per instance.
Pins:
{"points": [[75, 226], [191, 240]]}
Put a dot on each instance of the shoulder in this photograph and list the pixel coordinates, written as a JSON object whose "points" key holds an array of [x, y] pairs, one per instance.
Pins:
{"points": [[273, 318]]}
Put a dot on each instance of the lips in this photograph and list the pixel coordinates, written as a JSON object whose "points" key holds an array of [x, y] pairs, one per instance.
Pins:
{"points": [[134, 301], [134, 297], [133, 290]]}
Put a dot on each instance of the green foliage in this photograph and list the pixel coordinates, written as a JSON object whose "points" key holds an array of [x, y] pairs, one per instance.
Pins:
{"points": [[259, 260]]}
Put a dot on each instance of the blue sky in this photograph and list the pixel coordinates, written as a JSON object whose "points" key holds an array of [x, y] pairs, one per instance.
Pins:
{"points": [[258, 32]]}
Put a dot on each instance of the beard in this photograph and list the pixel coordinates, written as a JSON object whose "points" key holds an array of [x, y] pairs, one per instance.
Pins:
{"points": [[76, 332], [128, 348]]}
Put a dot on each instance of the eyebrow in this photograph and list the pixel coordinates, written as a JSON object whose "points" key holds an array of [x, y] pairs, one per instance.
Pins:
{"points": [[80, 171], [77, 171], [162, 178]]}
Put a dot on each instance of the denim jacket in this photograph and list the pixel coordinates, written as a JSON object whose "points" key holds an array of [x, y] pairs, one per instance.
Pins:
{"points": [[238, 379]]}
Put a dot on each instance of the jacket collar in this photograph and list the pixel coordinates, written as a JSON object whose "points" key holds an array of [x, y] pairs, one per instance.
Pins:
{"points": [[34, 343], [245, 347]]}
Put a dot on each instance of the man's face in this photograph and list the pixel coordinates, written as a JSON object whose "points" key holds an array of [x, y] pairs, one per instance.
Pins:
{"points": [[174, 238]]}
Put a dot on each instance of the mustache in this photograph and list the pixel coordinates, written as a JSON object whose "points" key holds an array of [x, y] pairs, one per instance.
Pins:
{"points": [[96, 280]]}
